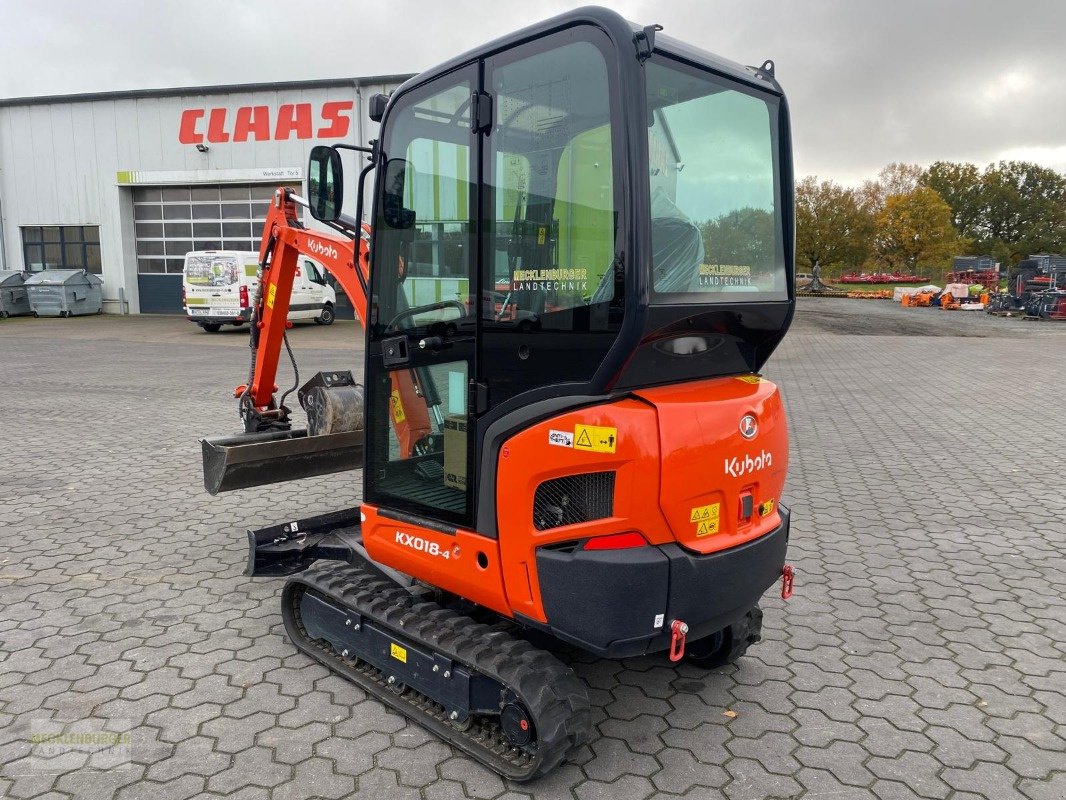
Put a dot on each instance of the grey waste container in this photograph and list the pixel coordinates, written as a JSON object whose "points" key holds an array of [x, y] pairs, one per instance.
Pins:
{"points": [[13, 300], [64, 293]]}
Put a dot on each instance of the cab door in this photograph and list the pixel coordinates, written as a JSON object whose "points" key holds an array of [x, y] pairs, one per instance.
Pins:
{"points": [[423, 318]]}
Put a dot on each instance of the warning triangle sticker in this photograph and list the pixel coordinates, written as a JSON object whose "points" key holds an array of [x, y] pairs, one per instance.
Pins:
{"points": [[583, 440], [695, 516]]}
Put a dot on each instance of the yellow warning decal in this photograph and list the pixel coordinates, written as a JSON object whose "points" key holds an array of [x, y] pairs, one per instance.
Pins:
{"points": [[705, 512], [707, 527], [749, 378], [541, 234], [398, 414], [595, 439], [397, 652], [707, 518], [270, 295], [766, 508]]}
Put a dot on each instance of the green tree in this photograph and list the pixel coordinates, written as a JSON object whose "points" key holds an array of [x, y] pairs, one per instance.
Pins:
{"points": [[914, 230], [896, 178], [1024, 208], [744, 236], [832, 226], [961, 186]]}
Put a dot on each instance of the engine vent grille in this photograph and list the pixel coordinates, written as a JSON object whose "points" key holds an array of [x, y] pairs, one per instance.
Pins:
{"points": [[573, 499]]}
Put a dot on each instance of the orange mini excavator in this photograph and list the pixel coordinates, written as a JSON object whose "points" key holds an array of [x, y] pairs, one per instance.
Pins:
{"points": [[579, 258]]}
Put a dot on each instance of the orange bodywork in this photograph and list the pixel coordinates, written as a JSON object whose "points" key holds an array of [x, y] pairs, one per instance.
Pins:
{"points": [[682, 470], [461, 562]]}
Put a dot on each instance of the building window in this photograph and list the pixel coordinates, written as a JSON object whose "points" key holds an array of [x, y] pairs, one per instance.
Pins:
{"points": [[61, 247]]}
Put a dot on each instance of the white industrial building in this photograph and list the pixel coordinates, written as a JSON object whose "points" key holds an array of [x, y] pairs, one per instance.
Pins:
{"points": [[125, 183]]}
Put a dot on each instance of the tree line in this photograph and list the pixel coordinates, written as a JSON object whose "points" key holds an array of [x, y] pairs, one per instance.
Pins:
{"points": [[911, 219]]}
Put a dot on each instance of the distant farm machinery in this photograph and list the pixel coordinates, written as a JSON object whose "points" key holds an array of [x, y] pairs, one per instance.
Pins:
{"points": [[1036, 289]]}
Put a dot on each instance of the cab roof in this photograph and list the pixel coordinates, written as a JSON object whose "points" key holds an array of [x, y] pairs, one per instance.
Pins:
{"points": [[621, 31]]}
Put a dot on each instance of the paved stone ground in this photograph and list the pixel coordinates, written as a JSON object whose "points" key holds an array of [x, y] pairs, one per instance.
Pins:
{"points": [[922, 655]]}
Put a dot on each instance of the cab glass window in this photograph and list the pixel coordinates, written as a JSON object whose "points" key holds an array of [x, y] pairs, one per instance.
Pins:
{"points": [[424, 234], [715, 195], [553, 220]]}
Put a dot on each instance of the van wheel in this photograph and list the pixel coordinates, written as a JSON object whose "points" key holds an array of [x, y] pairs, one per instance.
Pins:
{"points": [[211, 327], [327, 316]]}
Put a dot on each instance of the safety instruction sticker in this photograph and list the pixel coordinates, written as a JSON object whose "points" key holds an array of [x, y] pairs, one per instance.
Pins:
{"points": [[766, 507], [595, 439], [270, 295], [397, 652], [706, 518], [561, 438], [749, 379], [396, 404]]}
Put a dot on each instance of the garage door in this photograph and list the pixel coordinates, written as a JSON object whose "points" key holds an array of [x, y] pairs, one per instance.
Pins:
{"points": [[169, 221]]}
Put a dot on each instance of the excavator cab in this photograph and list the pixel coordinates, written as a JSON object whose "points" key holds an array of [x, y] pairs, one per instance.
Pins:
{"points": [[557, 219], [580, 258]]}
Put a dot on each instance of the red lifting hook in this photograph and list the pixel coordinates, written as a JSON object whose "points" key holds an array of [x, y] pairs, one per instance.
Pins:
{"points": [[788, 577], [678, 631]]}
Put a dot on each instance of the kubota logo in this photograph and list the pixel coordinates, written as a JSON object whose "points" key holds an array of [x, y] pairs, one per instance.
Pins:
{"points": [[749, 426], [319, 248], [422, 545], [736, 467]]}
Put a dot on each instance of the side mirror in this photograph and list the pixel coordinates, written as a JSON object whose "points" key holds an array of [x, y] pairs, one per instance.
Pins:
{"points": [[325, 183], [396, 216], [376, 106]]}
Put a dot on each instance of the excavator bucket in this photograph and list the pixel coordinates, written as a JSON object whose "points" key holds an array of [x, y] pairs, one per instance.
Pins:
{"points": [[258, 459]]}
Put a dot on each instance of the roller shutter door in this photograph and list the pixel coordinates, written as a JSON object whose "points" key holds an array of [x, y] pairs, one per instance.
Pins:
{"points": [[169, 221]]}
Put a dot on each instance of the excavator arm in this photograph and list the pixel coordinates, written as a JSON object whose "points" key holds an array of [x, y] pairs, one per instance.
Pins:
{"points": [[271, 450], [284, 240]]}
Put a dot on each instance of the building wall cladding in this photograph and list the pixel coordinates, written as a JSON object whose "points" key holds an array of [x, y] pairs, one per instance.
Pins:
{"points": [[64, 160]]}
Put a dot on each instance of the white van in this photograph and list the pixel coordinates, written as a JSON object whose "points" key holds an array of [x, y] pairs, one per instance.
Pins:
{"points": [[218, 287]]}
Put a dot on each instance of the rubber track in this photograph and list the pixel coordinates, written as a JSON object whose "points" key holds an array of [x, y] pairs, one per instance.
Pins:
{"points": [[555, 697]]}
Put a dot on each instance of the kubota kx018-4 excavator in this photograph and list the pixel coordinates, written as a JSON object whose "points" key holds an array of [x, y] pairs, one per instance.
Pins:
{"points": [[580, 257]]}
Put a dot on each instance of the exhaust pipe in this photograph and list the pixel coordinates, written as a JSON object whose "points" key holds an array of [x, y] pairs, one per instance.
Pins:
{"points": [[258, 459]]}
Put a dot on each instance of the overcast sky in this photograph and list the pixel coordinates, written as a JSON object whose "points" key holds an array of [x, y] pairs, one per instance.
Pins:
{"points": [[868, 82]]}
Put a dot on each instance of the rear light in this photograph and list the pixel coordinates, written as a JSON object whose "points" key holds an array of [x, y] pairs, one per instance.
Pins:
{"points": [[616, 541], [183, 295], [244, 296]]}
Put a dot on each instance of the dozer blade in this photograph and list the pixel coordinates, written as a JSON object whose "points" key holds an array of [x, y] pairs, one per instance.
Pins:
{"points": [[258, 459]]}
